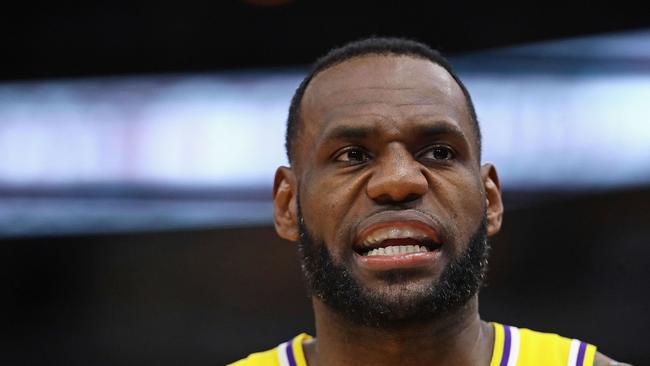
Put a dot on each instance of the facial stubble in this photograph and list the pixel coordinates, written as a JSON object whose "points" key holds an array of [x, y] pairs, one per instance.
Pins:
{"points": [[402, 303]]}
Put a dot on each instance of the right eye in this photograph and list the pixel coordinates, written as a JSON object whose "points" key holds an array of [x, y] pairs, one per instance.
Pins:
{"points": [[353, 155]]}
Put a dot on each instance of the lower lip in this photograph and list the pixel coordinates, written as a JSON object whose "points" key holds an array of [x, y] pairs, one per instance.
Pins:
{"points": [[388, 262]]}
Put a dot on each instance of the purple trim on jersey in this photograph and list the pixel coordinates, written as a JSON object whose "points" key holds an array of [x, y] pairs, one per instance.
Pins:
{"points": [[290, 358], [581, 354], [506, 346]]}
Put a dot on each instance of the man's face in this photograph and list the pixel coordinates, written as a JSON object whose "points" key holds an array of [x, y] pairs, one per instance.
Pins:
{"points": [[387, 175]]}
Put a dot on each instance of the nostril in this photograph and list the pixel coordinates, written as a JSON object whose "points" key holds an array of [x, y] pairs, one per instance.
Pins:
{"points": [[387, 199], [411, 197]]}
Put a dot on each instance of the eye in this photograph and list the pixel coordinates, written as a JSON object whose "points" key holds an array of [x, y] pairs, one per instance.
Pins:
{"points": [[438, 152], [353, 155]]}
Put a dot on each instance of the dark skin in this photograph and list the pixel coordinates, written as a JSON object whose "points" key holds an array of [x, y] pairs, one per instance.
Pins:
{"points": [[381, 132]]}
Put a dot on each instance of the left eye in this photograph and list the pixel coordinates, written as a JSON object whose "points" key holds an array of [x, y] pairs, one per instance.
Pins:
{"points": [[439, 152]]}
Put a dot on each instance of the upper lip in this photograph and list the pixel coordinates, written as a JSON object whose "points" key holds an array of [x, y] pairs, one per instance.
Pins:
{"points": [[414, 219]]}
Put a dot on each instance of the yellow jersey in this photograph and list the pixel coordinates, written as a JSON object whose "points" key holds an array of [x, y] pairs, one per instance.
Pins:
{"points": [[512, 347]]}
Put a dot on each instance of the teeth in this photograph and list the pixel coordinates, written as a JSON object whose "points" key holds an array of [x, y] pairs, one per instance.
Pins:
{"points": [[394, 233], [397, 249]]}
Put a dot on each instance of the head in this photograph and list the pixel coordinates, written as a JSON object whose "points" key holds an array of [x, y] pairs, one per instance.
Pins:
{"points": [[379, 46], [384, 147]]}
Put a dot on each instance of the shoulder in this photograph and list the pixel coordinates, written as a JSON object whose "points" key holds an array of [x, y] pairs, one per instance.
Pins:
{"points": [[602, 360], [287, 353], [531, 347], [265, 358]]}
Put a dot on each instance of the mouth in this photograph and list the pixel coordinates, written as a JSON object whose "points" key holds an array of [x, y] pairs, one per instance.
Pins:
{"points": [[393, 240], [397, 239]]}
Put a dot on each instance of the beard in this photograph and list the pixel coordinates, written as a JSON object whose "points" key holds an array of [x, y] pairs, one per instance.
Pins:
{"points": [[400, 304]]}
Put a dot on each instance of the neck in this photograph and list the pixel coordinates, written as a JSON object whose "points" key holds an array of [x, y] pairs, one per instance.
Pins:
{"points": [[458, 338]]}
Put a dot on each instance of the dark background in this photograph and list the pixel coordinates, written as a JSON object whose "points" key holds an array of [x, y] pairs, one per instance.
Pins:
{"points": [[58, 39], [568, 262]]}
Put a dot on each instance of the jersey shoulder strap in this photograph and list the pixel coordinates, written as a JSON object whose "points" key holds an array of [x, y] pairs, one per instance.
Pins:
{"points": [[289, 353], [514, 346]]}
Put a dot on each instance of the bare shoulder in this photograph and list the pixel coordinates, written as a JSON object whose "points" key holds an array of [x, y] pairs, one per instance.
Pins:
{"points": [[602, 360]]}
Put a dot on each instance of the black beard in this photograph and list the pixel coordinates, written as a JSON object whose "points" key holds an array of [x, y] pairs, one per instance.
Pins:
{"points": [[333, 284]]}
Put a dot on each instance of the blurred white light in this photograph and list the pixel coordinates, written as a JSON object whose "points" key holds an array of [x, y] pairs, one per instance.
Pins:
{"points": [[195, 130], [588, 130], [570, 132]]}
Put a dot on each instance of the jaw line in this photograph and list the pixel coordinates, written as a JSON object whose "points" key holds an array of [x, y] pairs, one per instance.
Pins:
{"points": [[331, 281]]}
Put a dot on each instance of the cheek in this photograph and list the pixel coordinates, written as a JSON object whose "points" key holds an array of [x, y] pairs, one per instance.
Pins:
{"points": [[465, 206], [326, 205]]}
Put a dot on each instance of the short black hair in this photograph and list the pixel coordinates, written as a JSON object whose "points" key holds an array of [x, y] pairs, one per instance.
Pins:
{"points": [[363, 47]]}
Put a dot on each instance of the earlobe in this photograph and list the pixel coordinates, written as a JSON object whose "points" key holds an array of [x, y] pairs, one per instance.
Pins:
{"points": [[285, 210], [494, 204]]}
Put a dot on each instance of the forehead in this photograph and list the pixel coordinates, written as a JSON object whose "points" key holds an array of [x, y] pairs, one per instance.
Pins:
{"points": [[384, 87]]}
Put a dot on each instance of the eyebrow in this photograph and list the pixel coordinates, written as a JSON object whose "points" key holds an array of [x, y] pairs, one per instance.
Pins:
{"points": [[438, 130], [348, 133], [363, 132]]}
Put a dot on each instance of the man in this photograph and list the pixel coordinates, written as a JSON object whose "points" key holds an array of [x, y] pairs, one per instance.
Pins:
{"points": [[392, 209]]}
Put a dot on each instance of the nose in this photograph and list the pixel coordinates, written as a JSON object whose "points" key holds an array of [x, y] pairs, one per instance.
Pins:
{"points": [[397, 178]]}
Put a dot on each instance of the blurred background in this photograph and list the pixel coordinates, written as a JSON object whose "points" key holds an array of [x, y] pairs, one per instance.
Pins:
{"points": [[138, 143]]}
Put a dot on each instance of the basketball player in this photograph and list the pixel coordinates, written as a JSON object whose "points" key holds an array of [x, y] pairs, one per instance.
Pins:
{"points": [[392, 208]]}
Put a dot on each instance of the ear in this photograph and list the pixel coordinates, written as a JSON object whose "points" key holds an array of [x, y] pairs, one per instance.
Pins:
{"points": [[285, 210], [493, 202]]}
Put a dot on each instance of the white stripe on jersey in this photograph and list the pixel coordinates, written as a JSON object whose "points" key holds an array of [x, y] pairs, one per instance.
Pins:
{"points": [[573, 352], [282, 354], [514, 346]]}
